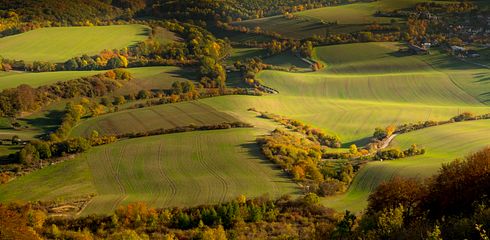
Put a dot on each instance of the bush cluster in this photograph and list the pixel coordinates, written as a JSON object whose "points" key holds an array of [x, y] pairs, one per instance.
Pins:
{"points": [[313, 134], [301, 158]]}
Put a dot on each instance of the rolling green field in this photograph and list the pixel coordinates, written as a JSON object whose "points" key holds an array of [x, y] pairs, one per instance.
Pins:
{"points": [[59, 44], [364, 86], [38, 79], [241, 54], [143, 78], [352, 97], [146, 119], [49, 117], [369, 58], [443, 144], [182, 169], [349, 18], [155, 78], [357, 13], [370, 85], [287, 60]]}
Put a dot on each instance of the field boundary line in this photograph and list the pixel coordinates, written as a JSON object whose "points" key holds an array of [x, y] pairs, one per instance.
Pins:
{"points": [[189, 115], [214, 111], [131, 114], [164, 118]]}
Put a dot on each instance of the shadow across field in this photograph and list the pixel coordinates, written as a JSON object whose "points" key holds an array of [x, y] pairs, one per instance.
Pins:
{"points": [[254, 151], [359, 142], [188, 73], [485, 97], [145, 32], [47, 123]]}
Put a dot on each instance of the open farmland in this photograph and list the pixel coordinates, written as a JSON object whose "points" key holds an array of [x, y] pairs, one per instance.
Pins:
{"points": [[143, 78], [357, 93], [357, 13], [38, 79], [44, 44], [287, 60], [370, 58], [146, 119], [244, 119], [349, 17], [155, 78], [352, 97], [443, 144], [241, 54], [181, 169]]}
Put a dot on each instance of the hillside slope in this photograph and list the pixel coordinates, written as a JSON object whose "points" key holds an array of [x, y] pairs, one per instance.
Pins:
{"points": [[44, 44], [184, 169]]}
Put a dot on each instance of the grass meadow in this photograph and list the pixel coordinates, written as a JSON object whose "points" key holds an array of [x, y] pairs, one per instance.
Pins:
{"points": [[349, 18], [58, 44], [39, 79], [183, 169], [165, 116], [363, 86], [443, 144]]}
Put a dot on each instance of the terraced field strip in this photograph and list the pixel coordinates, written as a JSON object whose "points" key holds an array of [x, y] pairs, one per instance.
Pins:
{"points": [[369, 58], [183, 169], [143, 78], [44, 44], [430, 88], [39, 79], [151, 118]]}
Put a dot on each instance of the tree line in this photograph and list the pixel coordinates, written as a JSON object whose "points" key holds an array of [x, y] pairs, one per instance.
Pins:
{"points": [[234, 10], [380, 134], [371, 33], [24, 98], [167, 97]]}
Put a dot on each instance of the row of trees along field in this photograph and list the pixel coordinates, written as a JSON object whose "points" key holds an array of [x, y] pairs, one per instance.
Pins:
{"points": [[21, 16], [234, 10], [399, 208], [18, 14], [26, 99], [371, 34], [416, 29]]}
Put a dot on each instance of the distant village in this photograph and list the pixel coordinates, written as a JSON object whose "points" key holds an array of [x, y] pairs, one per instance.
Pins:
{"points": [[463, 27]]}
